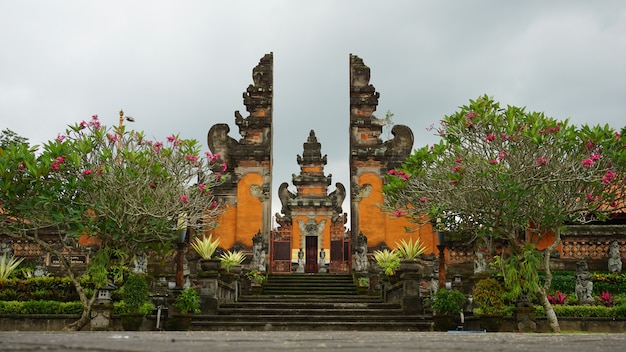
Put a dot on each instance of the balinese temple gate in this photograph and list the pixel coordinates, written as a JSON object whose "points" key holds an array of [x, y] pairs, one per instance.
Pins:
{"points": [[312, 236]]}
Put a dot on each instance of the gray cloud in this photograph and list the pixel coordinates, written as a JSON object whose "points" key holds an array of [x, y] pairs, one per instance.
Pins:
{"points": [[180, 67]]}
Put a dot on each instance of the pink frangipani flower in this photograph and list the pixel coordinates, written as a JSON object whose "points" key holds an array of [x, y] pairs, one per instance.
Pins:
{"points": [[588, 162], [490, 137], [542, 161], [184, 199], [608, 177]]}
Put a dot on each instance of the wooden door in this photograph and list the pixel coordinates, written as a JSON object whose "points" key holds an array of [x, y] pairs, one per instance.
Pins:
{"points": [[311, 255]]}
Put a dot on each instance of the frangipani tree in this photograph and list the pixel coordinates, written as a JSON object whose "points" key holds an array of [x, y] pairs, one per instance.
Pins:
{"points": [[128, 193], [513, 175]]}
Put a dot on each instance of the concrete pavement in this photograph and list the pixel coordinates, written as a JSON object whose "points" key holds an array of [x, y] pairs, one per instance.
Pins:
{"points": [[308, 341]]}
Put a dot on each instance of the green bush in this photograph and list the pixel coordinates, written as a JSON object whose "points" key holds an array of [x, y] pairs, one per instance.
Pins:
{"points": [[36, 288], [122, 308], [448, 301], [135, 292], [488, 295], [9, 294], [579, 311], [40, 307]]}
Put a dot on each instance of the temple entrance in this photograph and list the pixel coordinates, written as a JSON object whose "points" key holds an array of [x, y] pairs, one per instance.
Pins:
{"points": [[311, 255]]}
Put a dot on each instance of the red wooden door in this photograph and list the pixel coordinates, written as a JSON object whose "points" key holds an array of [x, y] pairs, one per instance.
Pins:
{"points": [[311, 255]]}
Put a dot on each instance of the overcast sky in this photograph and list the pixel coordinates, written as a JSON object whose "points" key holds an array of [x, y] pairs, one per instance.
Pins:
{"points": [[182, 66]]}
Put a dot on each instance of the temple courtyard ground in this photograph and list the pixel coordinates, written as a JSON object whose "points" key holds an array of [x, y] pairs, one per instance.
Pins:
{"points": [[308, 341]]}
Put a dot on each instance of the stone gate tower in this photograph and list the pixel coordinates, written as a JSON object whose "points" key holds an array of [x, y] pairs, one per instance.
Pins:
{"points": [[247, 193]]}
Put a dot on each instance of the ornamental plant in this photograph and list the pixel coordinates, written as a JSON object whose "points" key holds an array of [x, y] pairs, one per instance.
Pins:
{"points": [[488, 295], [388, 260], [448, 302], [410, 250], [507, 174], [229, 259], [8, 265], [558, 298], [109, 188], [205, 246]]}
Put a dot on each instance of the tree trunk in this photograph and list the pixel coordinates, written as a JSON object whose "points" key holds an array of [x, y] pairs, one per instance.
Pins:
{"points": [[87, 302], [543, 291]]}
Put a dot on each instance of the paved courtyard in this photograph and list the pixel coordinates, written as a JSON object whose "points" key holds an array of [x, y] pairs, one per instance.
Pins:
{"points": [[308, 341]]}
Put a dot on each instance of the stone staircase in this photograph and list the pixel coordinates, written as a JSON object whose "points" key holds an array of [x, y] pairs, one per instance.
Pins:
{"points": [[310, 302]]}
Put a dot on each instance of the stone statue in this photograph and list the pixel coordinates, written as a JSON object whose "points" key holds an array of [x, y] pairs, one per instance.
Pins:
{"points": [[480, 264], [615, 258], [584, 285], [6, 250], [300, 268], [40, 268], [258, 253], [140, 263], [322, 262], [361, 264]]}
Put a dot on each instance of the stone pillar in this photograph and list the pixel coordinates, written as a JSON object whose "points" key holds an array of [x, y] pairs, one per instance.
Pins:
{"points": [[410, 275], [209, 285]]}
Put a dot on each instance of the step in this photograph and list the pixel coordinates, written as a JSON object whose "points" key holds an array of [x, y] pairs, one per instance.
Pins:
{"points": [[310, 326]]}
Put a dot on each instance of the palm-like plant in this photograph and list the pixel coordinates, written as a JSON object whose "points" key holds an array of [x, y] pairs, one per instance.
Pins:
{"points": [[410, 250], [205, 246], [387, 260], [230, 259], [8, 265]]}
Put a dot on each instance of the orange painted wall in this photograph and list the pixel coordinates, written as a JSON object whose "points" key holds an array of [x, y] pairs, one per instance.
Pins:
{"points": [[226, 228], [371, 220], [239, 223], [379, 226], [249, 209]]}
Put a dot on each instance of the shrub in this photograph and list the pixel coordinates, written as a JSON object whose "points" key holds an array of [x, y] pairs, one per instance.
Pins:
{"points": [[558, 298], [606, 299], [121, 308], [40, 307], [135, 292], [188, 301], [488, 295], [448, 301], [9, 294]]}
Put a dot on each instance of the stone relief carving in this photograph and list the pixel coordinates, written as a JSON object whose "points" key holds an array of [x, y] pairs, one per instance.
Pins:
{"points": [[361, 263], [361, 192]]}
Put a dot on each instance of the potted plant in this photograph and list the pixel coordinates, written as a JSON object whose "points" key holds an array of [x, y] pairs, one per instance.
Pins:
{"points": [[134, 297], [188, 303], [488, 295], [256, 279], [409, 252], [387, 260], [447, 306], [230, 260], [231, 264], [205, 247]]}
